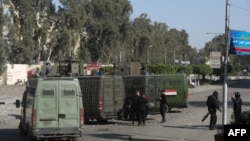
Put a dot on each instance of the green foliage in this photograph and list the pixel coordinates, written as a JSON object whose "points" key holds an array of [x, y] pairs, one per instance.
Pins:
{"points": [[107, 70], [244, 118], [162, 69], [202, 69], [2, 47], [185, 69], [238, 69], [93, 30]]}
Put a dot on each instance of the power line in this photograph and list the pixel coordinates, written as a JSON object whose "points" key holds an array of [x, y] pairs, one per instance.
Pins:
{"points": [[245, 9]]}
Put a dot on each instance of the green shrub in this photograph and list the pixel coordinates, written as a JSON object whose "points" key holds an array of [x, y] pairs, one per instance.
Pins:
{"points": [[244, 118]]}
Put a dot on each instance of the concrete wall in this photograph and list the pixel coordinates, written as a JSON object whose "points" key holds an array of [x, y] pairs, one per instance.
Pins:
{"points": [[15, 72]]}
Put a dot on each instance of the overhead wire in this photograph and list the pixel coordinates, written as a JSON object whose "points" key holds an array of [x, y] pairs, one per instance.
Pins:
{"points": [[245, 9]]}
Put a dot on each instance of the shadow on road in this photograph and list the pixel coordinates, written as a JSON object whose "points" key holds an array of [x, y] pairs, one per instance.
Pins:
{"points": [[11, 135], [243, 84], [203, 104], [122, 137], [16, 116], [199, 127]]}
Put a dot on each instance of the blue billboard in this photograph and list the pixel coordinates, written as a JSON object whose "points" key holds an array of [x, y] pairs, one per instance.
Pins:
{"points": [[239, 42]]}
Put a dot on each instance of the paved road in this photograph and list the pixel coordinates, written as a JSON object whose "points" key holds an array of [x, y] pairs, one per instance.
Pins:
{"points": [[182, 124]]}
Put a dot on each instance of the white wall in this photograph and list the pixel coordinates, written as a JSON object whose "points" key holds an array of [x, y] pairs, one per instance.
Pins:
{"points": [[15, 72]]}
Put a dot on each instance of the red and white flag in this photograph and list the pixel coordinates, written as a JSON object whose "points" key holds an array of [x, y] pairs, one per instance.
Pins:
{"points": [[170, 92]]}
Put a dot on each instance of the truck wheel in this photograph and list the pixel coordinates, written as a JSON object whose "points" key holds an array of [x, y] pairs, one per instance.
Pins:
{"points": [[102, 120]]}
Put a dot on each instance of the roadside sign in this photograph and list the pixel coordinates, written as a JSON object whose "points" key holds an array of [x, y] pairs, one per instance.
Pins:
{"points": [[215, 59], [239, 42]]}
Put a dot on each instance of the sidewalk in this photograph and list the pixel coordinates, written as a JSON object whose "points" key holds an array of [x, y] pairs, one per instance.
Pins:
{"points": [[9, 114], [212, 86]]}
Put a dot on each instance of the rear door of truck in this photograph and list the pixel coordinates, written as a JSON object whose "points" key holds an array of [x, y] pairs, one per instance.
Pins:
{"points": [[113, 91], [68, 107], [47, 107], [58, 109]]}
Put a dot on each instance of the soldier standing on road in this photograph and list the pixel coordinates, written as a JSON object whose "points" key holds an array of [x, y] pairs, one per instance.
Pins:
{"points": [[163, 103], [213, 105], [134, 106], [237, 106], [142, 105]]}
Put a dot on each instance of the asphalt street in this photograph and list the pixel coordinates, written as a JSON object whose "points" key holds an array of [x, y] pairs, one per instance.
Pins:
{"points": [[182, 124]]}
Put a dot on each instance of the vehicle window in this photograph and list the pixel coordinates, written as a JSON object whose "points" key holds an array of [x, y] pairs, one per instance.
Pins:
{"points": [[68, 92], [48, 93]]}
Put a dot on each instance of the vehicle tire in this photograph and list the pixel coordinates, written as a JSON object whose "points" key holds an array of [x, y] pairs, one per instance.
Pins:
{"points": [[102, 120]]}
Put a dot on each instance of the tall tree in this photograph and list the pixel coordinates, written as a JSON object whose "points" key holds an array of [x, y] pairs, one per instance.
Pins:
{"points": [[2, 46], [45, 19], [69, 25], [23, 48], [106, 28], [140, 39]]}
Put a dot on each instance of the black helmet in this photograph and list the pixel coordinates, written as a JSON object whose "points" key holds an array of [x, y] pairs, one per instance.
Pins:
{"points": [[237, 94], [215, 93]]}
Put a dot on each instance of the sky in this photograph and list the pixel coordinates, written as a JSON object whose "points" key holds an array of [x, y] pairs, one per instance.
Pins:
{"points": [[196, 17]]}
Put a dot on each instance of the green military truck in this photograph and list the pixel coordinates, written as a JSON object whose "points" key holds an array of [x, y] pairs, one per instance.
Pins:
{"points": [[103, 97], [51, 108], [175, 86]]}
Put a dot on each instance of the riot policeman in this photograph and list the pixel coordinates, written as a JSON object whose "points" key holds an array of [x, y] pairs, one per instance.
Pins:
{"points": [[163, 103], [134, 106], [213, 106], [237, 106]]}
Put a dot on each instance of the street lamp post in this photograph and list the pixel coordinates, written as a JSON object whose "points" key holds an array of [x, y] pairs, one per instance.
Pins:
{"points": [[148, 53], [148, 56], [165, 59]]}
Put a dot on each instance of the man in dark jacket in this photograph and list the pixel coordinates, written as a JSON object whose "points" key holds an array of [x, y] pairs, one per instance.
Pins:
{"points": [[237, 106], [142, 105], [163, 103], [134, 106], [213, 106]]}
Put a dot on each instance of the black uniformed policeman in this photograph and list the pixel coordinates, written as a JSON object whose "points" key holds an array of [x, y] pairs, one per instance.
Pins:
{"points": [[142, 105], [134, 106], [237, 106], [163, 102], [213, 105]]}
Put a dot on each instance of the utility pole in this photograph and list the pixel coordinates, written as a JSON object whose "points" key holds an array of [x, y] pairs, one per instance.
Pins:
{"points": [[165, 55], [148, 55], [224, 110], [174, 56]]}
